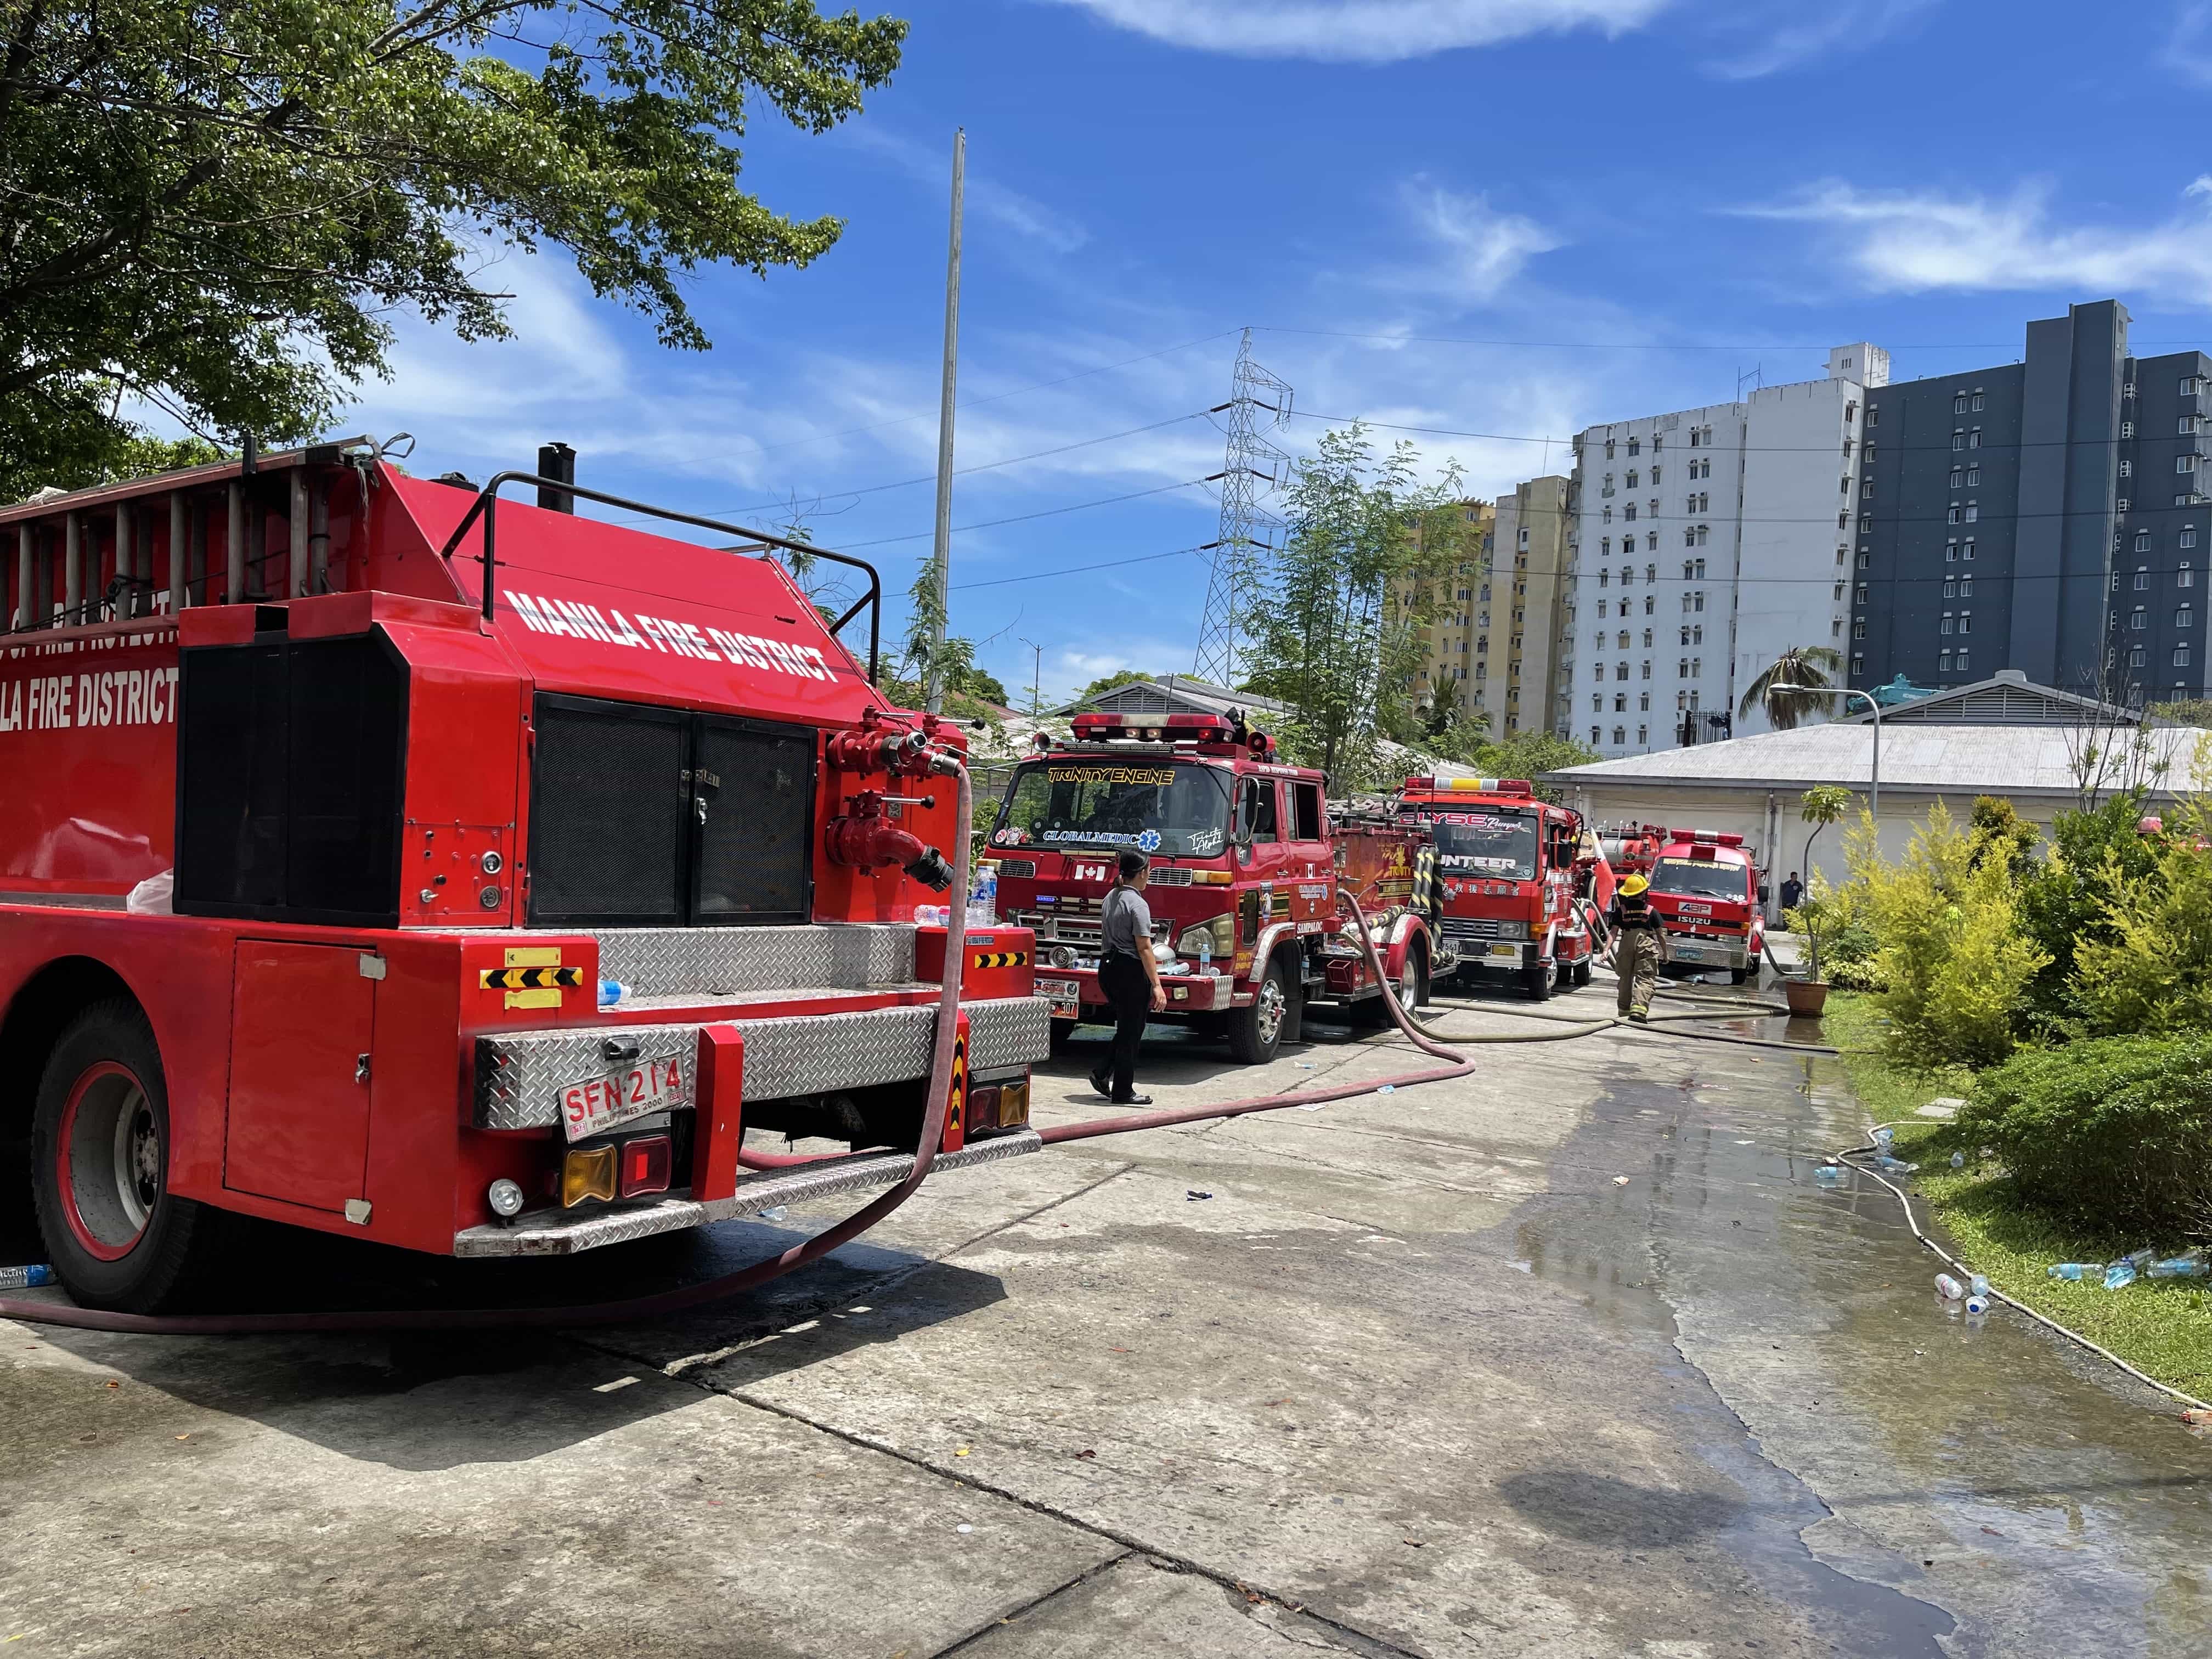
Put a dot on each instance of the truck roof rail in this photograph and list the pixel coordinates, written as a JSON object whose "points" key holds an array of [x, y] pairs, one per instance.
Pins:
{"points": [[487, 506]]}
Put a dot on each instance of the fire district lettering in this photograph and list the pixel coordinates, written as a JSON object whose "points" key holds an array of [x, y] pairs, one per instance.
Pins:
{"points": [[587, 622], [120, 697]]}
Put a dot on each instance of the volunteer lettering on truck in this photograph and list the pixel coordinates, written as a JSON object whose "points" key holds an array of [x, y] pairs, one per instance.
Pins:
{"points": [[396, 858]]}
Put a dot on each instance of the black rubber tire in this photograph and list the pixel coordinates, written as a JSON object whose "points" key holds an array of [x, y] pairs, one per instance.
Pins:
{"points": [[1737, 975], [1564, 979], [1246, 1045], [180, 1243], [1581, 972], [1537, 982]]}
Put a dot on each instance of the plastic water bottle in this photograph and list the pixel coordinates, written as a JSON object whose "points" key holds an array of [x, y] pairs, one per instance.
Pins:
{"points": [[1889, 1165], [929, 915], [2192, 1266], [24, 1279], [983, 903], [1978, 1284], [775, 1214], [1882, 1138], [1829, 1172], [1977, 1301], [1205, 951], [2075, 1270], [1951, 1288], [1958, 1160], [611, 991]]}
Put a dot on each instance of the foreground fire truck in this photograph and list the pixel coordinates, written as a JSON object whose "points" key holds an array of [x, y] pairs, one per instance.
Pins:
{"points": [[1705, 887], [1245, 866], [1512, 868], [336, 794]]}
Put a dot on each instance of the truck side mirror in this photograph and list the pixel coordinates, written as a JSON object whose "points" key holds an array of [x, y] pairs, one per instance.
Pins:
{"points": [[1764, 894]]}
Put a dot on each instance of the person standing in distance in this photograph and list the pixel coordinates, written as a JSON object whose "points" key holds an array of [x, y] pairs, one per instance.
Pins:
{"points": [[1128, 976], [1639, 947], [1793, 893]]}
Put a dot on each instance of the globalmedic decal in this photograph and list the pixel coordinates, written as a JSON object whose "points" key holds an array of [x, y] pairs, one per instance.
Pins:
{"points": [[681, 639]]}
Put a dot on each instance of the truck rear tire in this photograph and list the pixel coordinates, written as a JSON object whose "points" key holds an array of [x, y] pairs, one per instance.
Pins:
{"points": [[1537, 982], [1255, 1031], [1581, 972], [1061, 1030], [118, 1237], [1412, 989]]}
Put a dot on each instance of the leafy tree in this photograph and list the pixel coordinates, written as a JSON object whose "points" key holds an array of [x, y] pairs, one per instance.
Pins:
{"points": [[1800, 664], [1822, 805], [2148, 969], [2064, 901], [215, 209], [1328, 633], [1998, 831]]}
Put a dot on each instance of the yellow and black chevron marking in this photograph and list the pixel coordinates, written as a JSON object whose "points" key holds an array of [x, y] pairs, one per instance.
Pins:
{"points": [[999, 959], [529, 979], [954, 1107]]}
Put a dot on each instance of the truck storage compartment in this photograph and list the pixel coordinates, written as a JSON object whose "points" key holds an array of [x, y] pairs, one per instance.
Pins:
{"points": [[291, 761], [642, 816]]}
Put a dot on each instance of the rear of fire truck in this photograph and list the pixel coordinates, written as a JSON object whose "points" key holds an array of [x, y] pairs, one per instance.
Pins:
{"points": [[471, 876], [1508, 864], [1245, 924], [1705, 888]]}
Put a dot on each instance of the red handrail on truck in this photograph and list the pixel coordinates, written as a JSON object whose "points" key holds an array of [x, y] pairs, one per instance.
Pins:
{"points": [[388, 833]]}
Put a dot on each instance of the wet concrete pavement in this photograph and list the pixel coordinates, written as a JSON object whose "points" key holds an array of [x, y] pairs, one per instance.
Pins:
{"points": [[1415, 1373]]}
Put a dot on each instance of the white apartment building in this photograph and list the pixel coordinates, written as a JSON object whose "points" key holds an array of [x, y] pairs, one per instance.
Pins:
{"points": [[1705, 543]]}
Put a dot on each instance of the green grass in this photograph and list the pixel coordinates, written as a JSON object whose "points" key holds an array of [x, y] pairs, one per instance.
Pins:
{"points": [[2163, 1328]]}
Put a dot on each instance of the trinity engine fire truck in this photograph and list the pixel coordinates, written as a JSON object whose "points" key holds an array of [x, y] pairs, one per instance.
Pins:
{"points": [[1512, 868], [387, 857], [1705, 887], [1245, 863]]}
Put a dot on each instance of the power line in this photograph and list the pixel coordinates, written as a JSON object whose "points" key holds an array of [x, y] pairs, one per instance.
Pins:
{"points": [[1024, 518], [1649, 345], [1078, 569]]}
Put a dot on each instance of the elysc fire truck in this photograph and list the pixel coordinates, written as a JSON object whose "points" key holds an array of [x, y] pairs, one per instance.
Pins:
{"points": [[1245, 863], [1512, 868], [337, 795], [1705, 887]]}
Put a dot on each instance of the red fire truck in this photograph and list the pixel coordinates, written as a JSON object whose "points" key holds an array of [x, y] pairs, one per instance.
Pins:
{"points": [[1630, 848], [1511, 867], [1705, 887], [335, 795], [1245, 863]]}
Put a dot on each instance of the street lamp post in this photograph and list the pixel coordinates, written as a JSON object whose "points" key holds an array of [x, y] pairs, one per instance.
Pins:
{"points": [[1874, 708]]}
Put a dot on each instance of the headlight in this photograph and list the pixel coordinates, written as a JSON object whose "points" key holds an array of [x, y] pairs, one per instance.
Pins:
{"points": [[1219, 935], [1512, 930]]}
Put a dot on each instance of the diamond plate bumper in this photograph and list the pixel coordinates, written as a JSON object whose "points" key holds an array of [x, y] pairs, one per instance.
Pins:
{"points": [[553, 1232], [673, 961], [519, 1074]]}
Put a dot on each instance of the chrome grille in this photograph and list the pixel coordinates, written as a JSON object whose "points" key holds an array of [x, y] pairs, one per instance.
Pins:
{"points": [[1171, 877], [1470, 927], [1020, 869]]}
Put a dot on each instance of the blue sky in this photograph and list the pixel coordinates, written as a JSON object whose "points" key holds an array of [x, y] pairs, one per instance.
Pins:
{"points": [[1512, 217]]}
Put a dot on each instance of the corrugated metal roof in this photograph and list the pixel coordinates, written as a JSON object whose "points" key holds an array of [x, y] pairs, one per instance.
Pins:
{"points": [[2005, 698], [1932, 758], [1178, 694]]}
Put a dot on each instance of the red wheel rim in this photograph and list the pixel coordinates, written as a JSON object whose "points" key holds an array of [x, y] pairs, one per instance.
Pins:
{"points": [[108, 1161]]}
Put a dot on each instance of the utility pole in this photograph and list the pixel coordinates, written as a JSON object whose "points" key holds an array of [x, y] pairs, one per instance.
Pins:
{"points": [[943, 555], [1037, 677]]}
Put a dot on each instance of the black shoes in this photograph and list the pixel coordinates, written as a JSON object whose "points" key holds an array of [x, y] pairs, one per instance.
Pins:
{"points": [[1134, 1100], [1103, 1085]]}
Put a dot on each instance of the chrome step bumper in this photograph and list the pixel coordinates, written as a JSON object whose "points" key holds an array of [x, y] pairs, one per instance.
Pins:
{"points": [[555, 1232]]}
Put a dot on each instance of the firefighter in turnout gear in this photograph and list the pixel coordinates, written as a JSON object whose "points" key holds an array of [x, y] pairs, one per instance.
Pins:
{"points": [[1640, 946]]}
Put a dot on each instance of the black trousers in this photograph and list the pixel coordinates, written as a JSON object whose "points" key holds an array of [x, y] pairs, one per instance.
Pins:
{"points": [[1129, 993]]}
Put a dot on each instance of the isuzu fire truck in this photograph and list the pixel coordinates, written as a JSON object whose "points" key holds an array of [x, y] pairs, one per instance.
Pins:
{"points": [[1705, 887], [1510, 868], [335, 795], [1245, 862]]}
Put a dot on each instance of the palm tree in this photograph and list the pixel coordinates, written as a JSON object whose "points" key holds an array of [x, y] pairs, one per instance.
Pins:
{"points": [[1808, 666]]}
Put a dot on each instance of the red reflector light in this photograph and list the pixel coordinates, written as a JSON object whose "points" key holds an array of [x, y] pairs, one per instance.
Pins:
{"points": [[645, 1164]]}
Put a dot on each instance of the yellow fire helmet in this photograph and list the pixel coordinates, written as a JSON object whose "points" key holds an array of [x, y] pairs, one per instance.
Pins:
{"points": [[1633, 886]]}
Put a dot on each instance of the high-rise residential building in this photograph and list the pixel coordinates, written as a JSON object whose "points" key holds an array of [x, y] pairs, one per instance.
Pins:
{"points": [[1457, 642], [2047, 515], [1705, 543], [1525, 572]]}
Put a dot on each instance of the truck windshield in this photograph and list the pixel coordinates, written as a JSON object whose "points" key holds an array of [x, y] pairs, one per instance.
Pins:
{"points": [[1699, 878], [1178, 810], [1486, 843]]}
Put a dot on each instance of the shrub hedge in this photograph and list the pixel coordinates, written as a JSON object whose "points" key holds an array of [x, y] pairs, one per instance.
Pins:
{"points": [[2111, 1134]]}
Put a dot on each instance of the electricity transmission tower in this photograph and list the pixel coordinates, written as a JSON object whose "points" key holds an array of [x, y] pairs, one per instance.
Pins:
{"points": [[1255, 468]]}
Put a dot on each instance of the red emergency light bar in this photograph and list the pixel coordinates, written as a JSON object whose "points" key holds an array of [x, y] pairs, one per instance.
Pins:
{"points": [[1707, 837], [1170, 728], [1470, 786]]}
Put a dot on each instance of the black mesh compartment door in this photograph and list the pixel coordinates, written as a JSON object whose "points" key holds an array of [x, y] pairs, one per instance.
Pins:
{"points": [[234, 716], [755, 782], [348, 771], [608, 814]]}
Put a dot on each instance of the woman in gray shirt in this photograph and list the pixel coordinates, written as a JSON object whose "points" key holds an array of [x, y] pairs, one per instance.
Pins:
{"points": [[1128, 976]]}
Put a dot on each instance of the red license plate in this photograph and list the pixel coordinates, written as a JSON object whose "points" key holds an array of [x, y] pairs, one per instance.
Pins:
{"points": [[593, 1105]]}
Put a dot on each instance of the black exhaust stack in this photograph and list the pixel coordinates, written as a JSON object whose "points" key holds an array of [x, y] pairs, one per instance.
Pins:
{"points": [[556, 461]]}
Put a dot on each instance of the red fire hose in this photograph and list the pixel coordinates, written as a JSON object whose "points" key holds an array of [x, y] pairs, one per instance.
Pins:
{"points": [[761, 1272]]}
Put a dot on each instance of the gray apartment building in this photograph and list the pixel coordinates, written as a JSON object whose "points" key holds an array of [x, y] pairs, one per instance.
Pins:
{"points": [[2046, 515]]}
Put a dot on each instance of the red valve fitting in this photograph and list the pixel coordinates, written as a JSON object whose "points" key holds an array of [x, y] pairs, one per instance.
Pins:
{"points": [[866, 839]]}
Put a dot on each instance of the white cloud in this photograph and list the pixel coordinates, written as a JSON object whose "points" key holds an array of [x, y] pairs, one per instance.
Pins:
{"points": [[1362, 31], [1482, 250], [1790, 33], [1912, 242], [2188, 51]]}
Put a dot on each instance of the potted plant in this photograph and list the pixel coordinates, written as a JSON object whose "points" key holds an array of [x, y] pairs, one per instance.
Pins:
{"points": [[1819, 913]]}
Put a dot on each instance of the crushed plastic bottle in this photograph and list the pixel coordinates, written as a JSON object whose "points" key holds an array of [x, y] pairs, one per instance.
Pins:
{"points": [[2075, 1269], [24, 1279], [1958, 1160], [1977, 1303], [611, 991], [1951, 1288]]}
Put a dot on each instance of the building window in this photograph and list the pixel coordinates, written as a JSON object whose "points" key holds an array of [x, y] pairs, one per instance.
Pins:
{"points": [[1698, 636], [1643, 734], [1966, 622], [1647, 668], [1947, 627], [2188, 537], [1958, 404], [1955, 515], [2142, 578], [2188, 387], [1858, 629], [1957, 437], [1973, 511], [1631, 470], [1967, 587], [1862, 593], [2121, 505], [1950, 588], [1620, 670], [1873, 414], [1850, 413], [1950, 552], [2181, 656], [2184, 617], [1643, 703], [1943, 661], [2137, 656], [1836, 627], [1682, 668], [2184, 577], [1620, 734], [1977, 404], [1866, 489], [2138, 619], [1958, 477], [2184, 464], [1634, 445], [1865, 559], [1959, 662], [1973, 475], [1597, 705], [2127, 469], [1974, 439], [1858, 658], [1967, 548]]}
